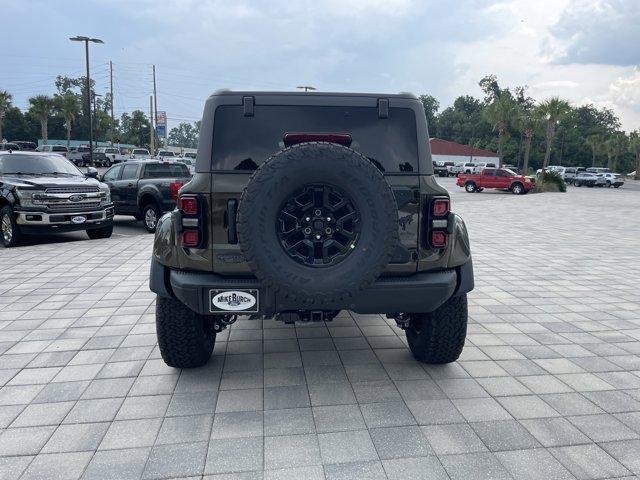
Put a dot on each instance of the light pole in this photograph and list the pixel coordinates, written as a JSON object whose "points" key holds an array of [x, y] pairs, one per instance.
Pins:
{"points": [[86, 41]]}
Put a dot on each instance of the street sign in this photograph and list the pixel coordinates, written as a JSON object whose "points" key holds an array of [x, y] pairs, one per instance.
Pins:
{"points": [[161, 124]]}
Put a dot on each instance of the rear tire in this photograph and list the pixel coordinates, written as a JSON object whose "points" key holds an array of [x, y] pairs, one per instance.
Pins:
{"points": [[470, 187], [10, 234], [96, 233], [438, 337], [186, 338], [150, 216]]}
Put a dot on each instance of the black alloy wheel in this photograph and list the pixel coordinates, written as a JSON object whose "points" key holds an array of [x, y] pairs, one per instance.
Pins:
{"points": [[318, 225]]}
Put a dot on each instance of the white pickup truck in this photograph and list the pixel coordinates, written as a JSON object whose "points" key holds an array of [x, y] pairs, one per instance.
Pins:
{"points": [[140, 154], [113, 153]]}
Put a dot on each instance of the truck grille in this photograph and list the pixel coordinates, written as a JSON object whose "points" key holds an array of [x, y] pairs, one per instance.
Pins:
{"points": [[58, 199], [70, 207], [72, 190]]}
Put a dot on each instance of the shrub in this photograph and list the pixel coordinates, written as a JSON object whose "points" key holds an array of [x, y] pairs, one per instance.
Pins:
{"points": [[550, 182]]}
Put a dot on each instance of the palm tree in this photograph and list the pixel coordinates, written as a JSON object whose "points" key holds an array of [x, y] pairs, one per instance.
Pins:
{"points": [[41, 106], [634, 146], [502, 113], [529, 124], [595, 144], [5, 103], [553, 109], [615, 145], [69, 107]]}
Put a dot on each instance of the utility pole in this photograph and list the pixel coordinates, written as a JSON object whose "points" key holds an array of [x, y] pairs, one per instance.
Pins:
{"points": [[306, 87], [152, 143], [86, 41], [113, 122], [155, 103]]}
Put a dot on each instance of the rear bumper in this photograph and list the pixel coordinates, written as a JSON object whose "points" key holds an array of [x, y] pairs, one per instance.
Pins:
{"points": [[419, 293]]}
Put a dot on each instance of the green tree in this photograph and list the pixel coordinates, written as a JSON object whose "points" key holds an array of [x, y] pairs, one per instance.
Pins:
{"points": [[595, 144], [5, 104], [554, 110], [68, 106], [431, 107], [184, 135], [529, 124], [502, 113], [634, 147], [41, 107], [490, 87], [615, 146], [135, 128]]}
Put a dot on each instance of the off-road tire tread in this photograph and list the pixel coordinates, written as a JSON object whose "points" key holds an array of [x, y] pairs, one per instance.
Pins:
{"points": [[272, 167], [443, 333], [183, 341]]}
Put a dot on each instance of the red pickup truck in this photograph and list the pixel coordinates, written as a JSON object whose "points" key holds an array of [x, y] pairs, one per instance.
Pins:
{"points": [[501, 178]]}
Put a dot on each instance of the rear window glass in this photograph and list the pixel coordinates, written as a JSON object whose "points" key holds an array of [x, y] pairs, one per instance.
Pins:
{"points": [[165, 170], [61, 149], [243, 143]]}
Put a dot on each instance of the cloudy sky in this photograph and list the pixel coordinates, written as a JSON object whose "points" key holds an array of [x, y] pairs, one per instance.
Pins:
{"points": [[584, 50]]}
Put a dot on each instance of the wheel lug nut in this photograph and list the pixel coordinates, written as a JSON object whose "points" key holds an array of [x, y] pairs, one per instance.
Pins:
{"points": [[328, 231], [307, 231], [308, 219], [328, 219], [318, 212], [317, 237]]}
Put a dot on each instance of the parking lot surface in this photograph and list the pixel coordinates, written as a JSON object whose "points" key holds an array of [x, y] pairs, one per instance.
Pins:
{"points": [[548, 386]]}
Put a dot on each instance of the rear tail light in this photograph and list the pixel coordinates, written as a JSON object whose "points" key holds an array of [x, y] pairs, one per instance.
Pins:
{"points": [[193, 232], [188, 205], [190, 238], [440, 207], [439, 238], [437, 222], [175, 188]]}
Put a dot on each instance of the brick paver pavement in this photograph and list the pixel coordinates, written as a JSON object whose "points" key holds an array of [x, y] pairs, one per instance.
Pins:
{"points": [[548, 386]]}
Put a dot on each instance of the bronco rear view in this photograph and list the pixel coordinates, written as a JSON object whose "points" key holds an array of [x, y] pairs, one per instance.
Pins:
{"points": [[306, 204]]}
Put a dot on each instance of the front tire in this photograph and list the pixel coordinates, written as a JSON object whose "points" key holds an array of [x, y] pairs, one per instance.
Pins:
{"points": [[438, 337], [517, 189], [150, 217], [470, 187], [186, 339], [10, 234], [97, 233]]}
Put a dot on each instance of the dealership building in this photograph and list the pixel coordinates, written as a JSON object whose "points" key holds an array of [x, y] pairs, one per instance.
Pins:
{"points": [[446, 151]]}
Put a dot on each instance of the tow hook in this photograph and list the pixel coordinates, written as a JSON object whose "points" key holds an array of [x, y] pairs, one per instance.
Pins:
{"points": [[222, 322], [402, 320]]}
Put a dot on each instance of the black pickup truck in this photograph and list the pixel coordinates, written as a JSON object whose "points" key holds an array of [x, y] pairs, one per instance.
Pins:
{"points": [[146, 188], [44, 193]]}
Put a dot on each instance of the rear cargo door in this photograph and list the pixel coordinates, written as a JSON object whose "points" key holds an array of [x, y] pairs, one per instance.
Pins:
{"points": [[242, 142]]}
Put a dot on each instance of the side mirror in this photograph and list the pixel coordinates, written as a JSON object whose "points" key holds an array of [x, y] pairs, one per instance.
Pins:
{"points": [[92, 172]]}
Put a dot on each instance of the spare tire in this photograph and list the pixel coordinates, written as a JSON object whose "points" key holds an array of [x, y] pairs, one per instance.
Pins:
{"points": [[317, 222]]}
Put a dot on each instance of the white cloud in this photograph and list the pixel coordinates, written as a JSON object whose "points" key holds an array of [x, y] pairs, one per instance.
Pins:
{"points": [[625, 91]]}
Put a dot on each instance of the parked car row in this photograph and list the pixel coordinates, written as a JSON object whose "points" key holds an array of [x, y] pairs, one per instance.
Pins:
{"points": [[448, 169], [589, 177], [102, 156], [44, 192]]}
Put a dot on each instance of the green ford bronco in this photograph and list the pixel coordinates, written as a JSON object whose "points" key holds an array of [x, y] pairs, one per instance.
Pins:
{"points": [[306, 204]]}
